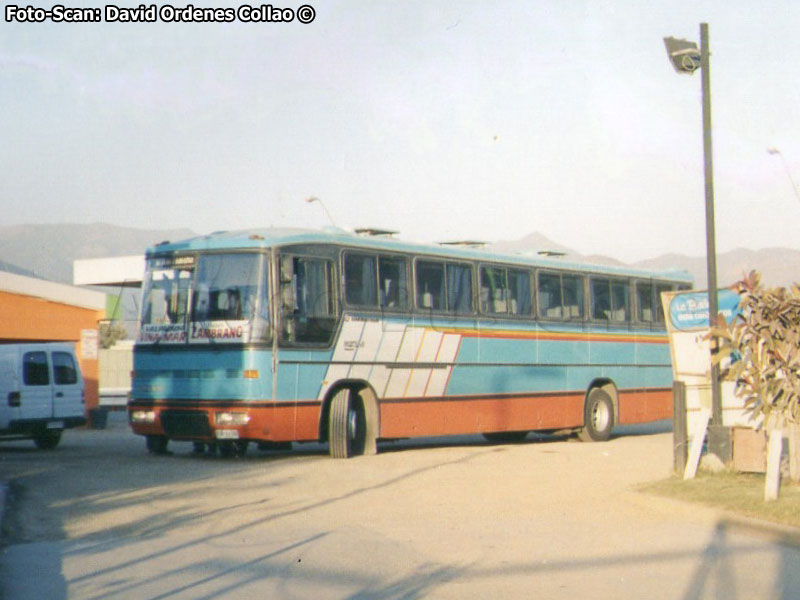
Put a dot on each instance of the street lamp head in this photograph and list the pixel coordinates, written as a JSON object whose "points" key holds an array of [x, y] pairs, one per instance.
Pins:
{"points": [[683, 54]]}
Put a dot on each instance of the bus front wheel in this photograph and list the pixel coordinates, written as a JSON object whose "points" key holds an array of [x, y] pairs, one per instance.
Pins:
{"points": [[157, 444], [347, 425], [598, 417]]}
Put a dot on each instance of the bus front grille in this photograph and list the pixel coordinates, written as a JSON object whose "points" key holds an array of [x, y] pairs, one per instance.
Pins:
{"points": [[185, 423]]}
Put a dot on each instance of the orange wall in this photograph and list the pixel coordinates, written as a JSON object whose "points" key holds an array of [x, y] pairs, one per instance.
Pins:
{"points": [[25, 318]]}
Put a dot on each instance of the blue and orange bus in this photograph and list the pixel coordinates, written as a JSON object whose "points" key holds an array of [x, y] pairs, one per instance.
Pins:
{"points": [[275, 336]]}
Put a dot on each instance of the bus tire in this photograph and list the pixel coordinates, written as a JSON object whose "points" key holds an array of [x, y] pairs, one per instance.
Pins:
{"points": [[598, 417], [235, 449], [48, 439], [156, 444], [346, 425]]}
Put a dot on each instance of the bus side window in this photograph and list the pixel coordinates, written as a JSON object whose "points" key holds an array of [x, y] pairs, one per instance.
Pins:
{"points": [[360, 280], [459, 288], [572, 294], [549, 292], [601, 299], [430, 285], [519, 292], [659, 307], [644, 302], [620, 301], [309, 307], [494, 290], [393, 280]]}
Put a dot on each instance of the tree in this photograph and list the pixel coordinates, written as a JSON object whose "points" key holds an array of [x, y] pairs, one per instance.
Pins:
{"points": [[763, 345], [110, 333]]}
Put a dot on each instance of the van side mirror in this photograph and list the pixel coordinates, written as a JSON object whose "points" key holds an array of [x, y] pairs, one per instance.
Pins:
{"points": [[14, 399]]}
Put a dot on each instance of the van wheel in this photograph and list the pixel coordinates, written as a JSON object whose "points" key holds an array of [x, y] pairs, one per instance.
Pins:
{"points": [[157, 444], [598, 417], [48, 439], [347, 425]]}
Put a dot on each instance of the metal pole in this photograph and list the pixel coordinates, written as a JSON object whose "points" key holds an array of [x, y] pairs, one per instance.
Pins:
{"points": [[719, 440]]}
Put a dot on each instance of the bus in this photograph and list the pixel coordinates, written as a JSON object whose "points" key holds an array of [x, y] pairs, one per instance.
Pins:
{"points": [[276, 336]]}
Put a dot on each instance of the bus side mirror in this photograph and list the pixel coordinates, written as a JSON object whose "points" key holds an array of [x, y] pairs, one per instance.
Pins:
{"points": [[286, 269], [288, 300], [14, 399]]}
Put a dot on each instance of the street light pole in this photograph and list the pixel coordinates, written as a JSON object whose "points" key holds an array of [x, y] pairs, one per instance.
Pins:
{"points": [[686, 59], [775, 151], [313, 199], [718, 436]]}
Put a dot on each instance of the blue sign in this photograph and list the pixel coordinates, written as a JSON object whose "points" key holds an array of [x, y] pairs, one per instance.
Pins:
{"points": [[689, 310]]}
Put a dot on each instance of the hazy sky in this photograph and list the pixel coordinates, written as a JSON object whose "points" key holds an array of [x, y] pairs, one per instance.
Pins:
{"points": [[444, 120]]}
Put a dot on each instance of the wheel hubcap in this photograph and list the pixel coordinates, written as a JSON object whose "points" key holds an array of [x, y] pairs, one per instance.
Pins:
{"points": [[600, 416], [352, 425]]}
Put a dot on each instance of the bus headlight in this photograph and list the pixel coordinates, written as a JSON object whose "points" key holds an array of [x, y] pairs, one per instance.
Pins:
{"points": [[222, 419], [143, 416]]}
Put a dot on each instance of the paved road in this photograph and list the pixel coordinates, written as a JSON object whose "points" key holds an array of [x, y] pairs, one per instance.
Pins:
{"points": [[99, 518]]}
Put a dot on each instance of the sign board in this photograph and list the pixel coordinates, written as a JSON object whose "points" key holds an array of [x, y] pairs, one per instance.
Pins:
{"points": [[688, 311], [90, 342], [690, 346]]}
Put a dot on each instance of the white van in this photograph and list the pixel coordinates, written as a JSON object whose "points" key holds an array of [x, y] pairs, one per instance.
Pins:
{"points": [[41, 392]]}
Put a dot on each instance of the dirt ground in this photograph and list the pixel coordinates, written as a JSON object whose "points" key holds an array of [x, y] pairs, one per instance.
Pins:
{"points": [[550, 517]]}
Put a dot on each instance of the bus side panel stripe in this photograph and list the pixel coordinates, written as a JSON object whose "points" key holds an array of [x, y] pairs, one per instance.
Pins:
{"points": [[448, 349], [466, 416], [387, 353], [368, 346], [429, 346], [343, 354], [406, 354], [643, 406]]}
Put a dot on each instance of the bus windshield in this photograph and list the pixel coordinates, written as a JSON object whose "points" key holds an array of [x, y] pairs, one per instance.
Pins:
{"points": [[217, 297]]}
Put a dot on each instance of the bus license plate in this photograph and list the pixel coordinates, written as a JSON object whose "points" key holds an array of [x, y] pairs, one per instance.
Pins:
{"points": [[227, 434], [55, 425]]}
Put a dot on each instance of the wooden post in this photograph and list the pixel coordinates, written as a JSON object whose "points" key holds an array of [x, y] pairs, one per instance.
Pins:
{"points": [[680, 437]]}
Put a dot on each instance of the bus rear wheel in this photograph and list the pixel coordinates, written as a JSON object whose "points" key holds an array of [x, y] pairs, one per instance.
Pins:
{"points": [[347, 426], [598, 417]]}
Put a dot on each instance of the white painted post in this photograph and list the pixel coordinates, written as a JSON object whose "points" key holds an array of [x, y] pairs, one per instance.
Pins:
{"points": [[698, 437], [774, 451], [794, 452]]}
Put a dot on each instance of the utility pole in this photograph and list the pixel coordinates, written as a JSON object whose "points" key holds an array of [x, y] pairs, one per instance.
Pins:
{"points": [[686, 59]]}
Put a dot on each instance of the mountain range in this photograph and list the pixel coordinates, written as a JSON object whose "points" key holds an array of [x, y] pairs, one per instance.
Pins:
{"points": [[778, 266], [48, 251]]}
